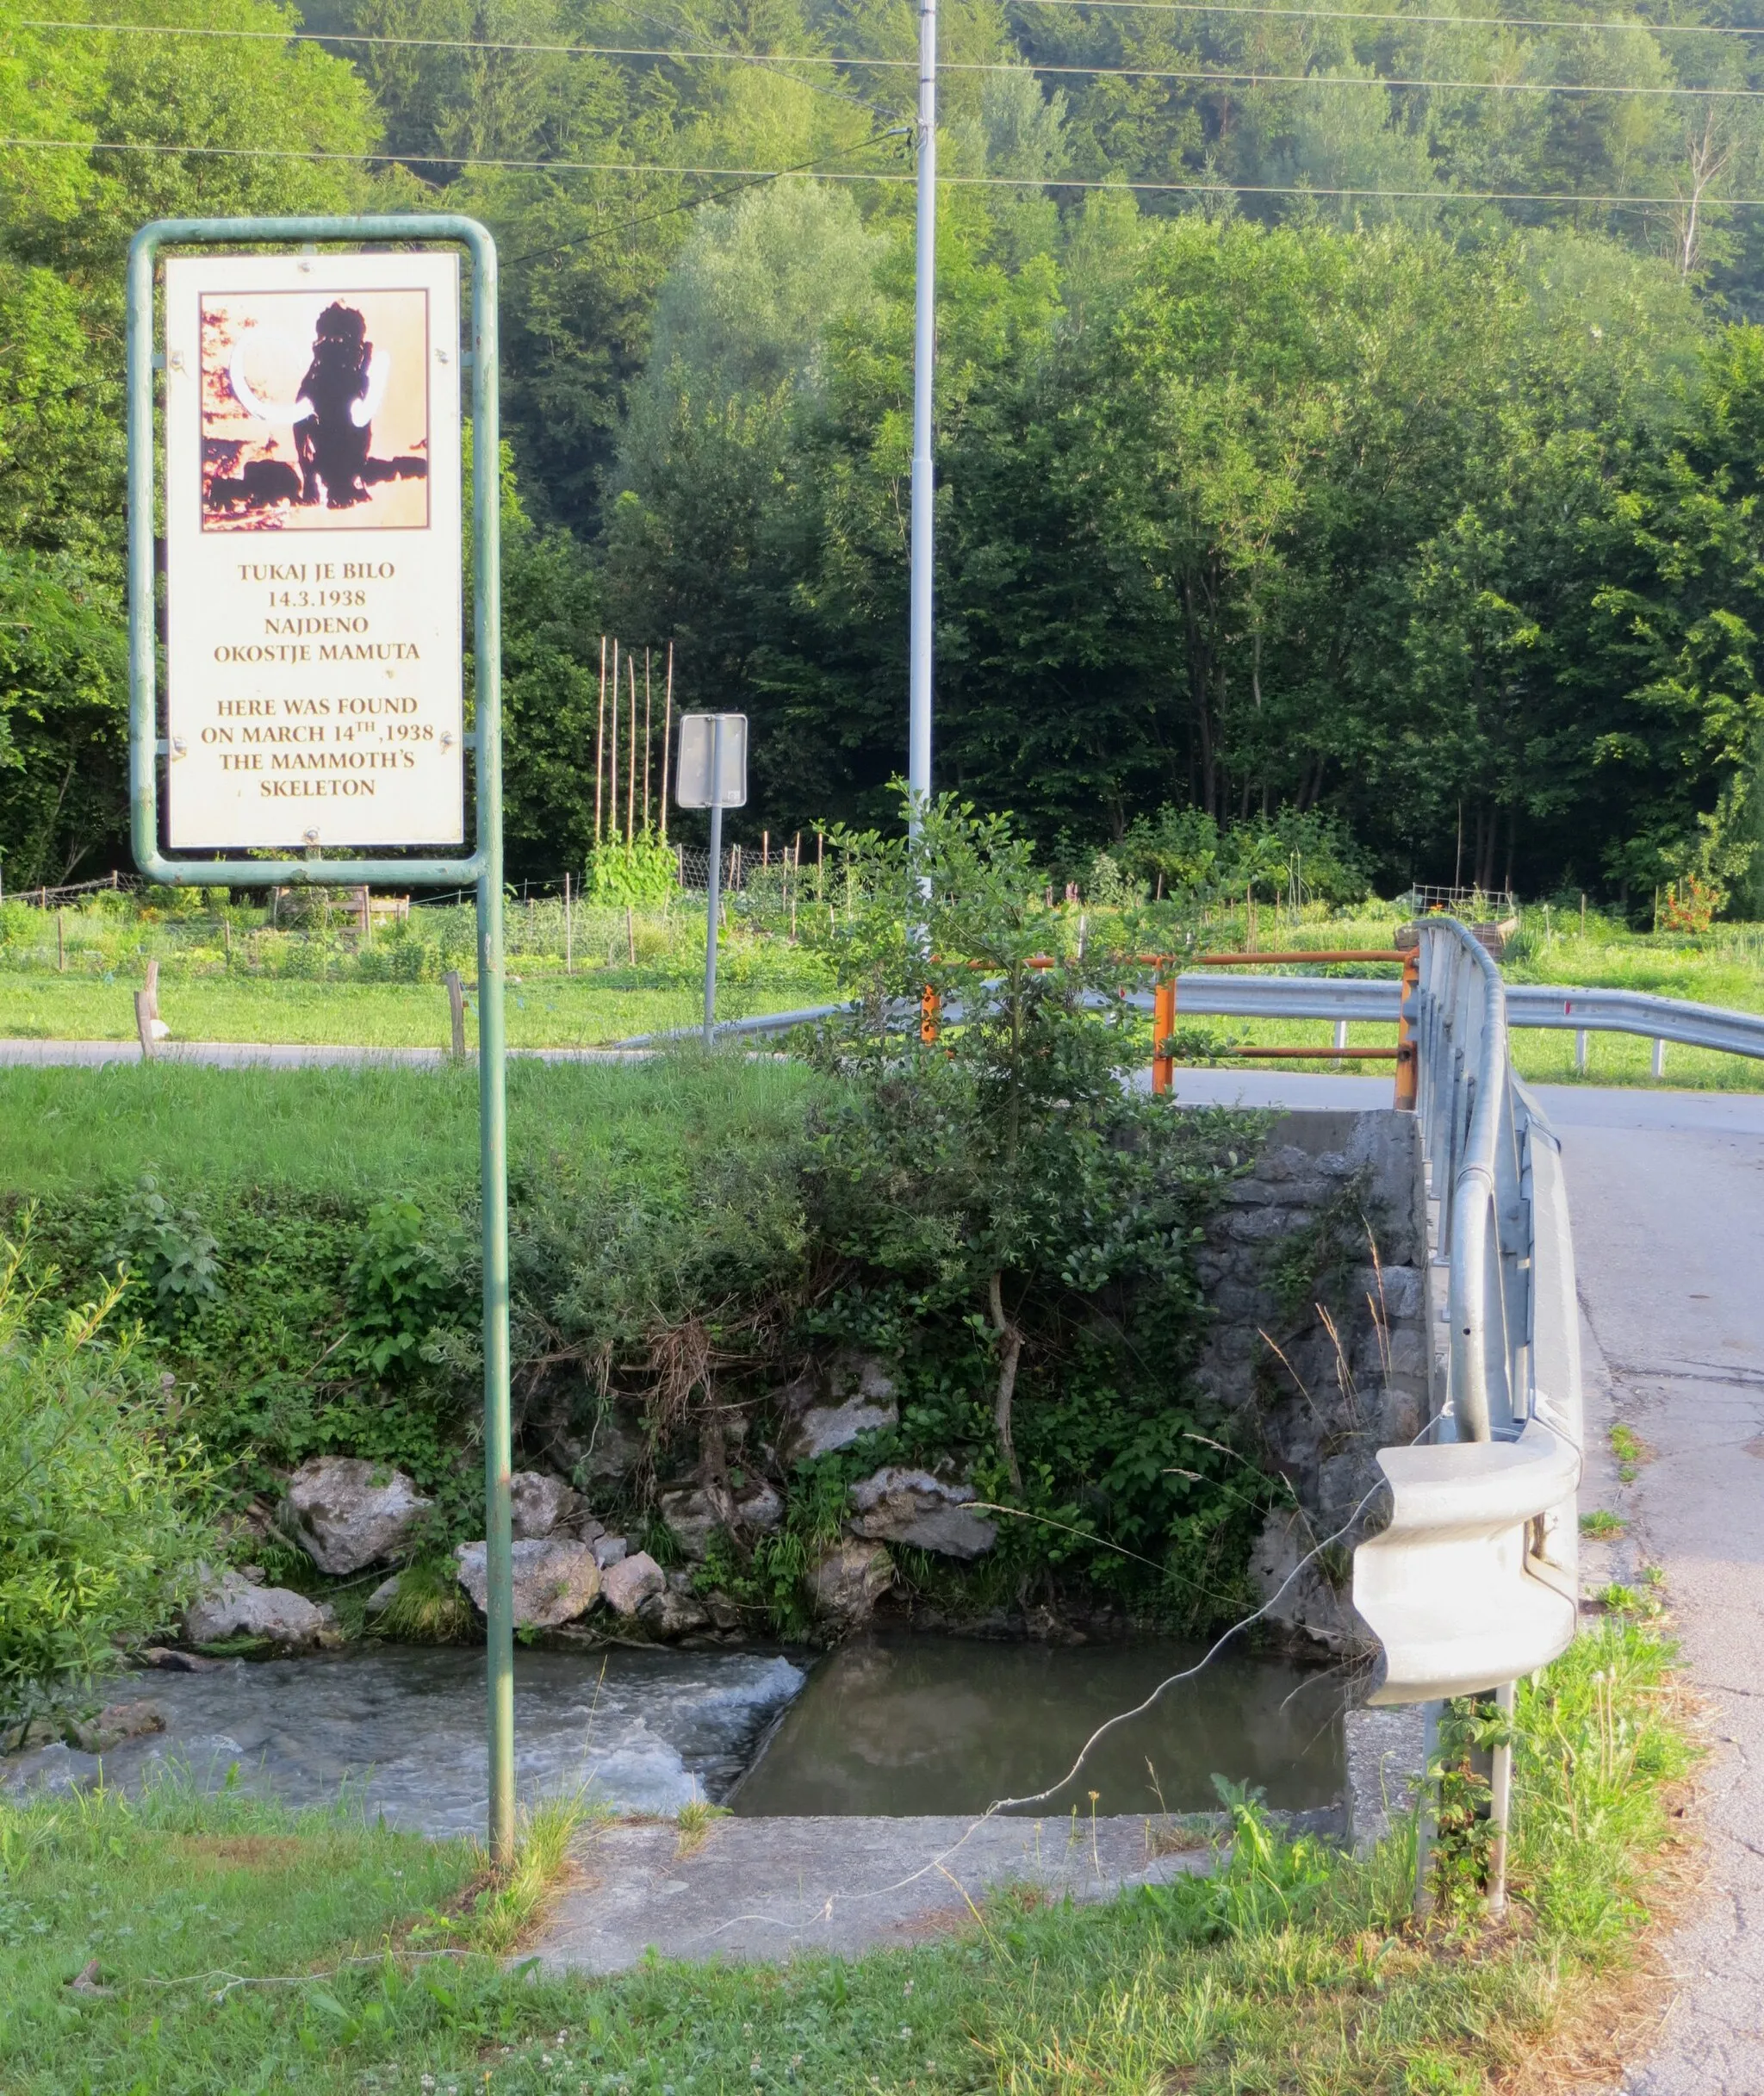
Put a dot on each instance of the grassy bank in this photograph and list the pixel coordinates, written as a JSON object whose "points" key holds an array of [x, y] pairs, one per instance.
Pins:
{"points": [[363, 1133], [239, 1949]]}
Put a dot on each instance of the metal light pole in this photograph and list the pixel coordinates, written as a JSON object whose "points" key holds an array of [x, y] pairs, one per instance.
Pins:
{"points": [[924, 371]]}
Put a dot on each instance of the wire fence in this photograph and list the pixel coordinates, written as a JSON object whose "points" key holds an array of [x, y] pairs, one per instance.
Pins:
{"points": [[1469, 904], [44, 898]]}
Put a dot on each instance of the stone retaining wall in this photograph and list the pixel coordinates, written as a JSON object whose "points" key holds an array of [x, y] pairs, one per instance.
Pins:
{"points": [[1316, 1268]]}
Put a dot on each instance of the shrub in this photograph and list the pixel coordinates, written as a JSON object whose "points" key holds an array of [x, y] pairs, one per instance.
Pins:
{"points": [[167, 1253], [403, 1282], [103, 1503]]}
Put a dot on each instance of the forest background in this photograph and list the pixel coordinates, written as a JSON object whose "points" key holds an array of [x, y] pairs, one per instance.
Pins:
{"points": [[1391, 451]]}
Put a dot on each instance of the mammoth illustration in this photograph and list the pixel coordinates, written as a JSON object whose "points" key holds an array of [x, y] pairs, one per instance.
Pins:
{"points": [[333, 419]]}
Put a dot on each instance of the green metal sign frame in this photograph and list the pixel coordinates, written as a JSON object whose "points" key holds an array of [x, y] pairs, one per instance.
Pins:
{"points": [[482, 871]]}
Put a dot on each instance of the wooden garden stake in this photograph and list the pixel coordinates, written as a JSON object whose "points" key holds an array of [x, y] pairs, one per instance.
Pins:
{"points": [[612, 760], [631, 784], [648, 737], [600, 740], [667, 736], [456, 1007]]}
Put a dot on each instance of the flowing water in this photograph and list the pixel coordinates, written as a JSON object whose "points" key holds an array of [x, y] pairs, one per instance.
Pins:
{"points": [[403, 1727], [907, 1724], [924, 1724]]}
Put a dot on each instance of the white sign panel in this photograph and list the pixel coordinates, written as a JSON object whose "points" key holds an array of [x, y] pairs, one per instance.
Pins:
{"points": [[694, 787], [313, 657]]}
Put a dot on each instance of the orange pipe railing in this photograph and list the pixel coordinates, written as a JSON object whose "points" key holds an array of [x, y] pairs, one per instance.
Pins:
{"points": [[1164, 1013]]}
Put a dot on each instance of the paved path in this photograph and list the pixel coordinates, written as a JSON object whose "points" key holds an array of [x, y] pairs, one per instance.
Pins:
{"points": [[275, 1055], [1666, 1193]]}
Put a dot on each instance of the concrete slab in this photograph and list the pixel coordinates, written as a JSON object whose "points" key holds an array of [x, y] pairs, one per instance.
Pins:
{"points": [[779, 1888]]}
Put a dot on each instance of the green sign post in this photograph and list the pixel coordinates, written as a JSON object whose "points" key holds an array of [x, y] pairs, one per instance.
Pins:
{"points": [[313, 696]]}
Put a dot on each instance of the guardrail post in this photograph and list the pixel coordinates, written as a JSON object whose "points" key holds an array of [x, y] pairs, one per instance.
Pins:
{"points": [[1407, 1056], [1500, 1802], [1659, 1055], [1163, 1026], [1428, 1806], [1580, 1052]]}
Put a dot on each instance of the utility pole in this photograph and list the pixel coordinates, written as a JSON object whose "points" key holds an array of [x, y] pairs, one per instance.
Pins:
{"points": [[924, 368]]}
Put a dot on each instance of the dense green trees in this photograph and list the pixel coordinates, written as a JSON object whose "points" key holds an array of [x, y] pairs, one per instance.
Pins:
{"points": [[1252, 517], [1436, 515]]}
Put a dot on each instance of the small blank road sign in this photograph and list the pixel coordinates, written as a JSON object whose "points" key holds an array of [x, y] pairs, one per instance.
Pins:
{"points": [[713, 760]]}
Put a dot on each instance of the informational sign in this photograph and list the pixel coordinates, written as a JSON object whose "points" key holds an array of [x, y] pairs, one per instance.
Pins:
{"points": [[314, 638], [712, 771]]}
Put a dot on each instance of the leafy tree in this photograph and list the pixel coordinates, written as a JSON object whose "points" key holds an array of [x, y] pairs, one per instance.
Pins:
{"points": [[64, 718]]}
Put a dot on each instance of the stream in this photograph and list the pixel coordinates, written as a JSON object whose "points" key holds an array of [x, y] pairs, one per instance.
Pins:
{"points": [[924, 1723], [906, 1725]]}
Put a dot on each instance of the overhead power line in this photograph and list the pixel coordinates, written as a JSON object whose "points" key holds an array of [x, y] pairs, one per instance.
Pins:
{"points": [[772, 60], [1200, 187], [1389, 20]]}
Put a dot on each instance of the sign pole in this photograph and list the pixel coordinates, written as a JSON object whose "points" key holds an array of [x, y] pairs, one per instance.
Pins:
{"points": [[319, 722], [492, 1061], [716, 881]]}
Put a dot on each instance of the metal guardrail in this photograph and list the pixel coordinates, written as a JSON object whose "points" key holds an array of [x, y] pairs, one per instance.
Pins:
{"points": [[1474, 1579], [1366, 1001]]}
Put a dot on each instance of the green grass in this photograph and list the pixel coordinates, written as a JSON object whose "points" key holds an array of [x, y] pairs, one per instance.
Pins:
{"points": [[251, 1951], [1630, 1451], [555, 1011], [1602, 1526], [371, 1129]]}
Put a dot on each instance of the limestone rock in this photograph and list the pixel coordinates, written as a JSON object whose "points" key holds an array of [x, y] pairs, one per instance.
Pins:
{"points": [[383, 1596], [615, 1448], [230, 1606], [849, 1580], [861, 1400], [346, 1514], [631, 1580], [674, 1611], [174, 1662], [911, 1506], [539, 1502], [554, 1581], [694, 1516], [610, 1551], [1309, 1604], [724, 1612], [116, 1722]]}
